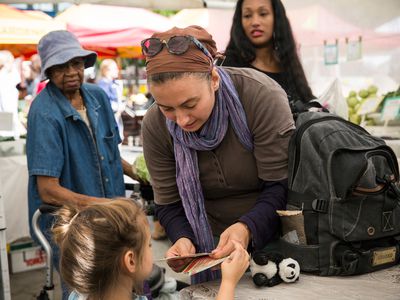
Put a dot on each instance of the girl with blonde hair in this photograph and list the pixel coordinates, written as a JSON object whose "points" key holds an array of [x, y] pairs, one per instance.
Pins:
{"points": [[105, 249], [106, 252]]}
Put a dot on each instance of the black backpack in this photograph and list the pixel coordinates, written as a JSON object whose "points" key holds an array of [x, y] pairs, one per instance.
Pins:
{"points": [[346, 183]]}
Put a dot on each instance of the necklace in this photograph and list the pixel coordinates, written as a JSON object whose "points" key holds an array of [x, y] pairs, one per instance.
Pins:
{"points": [[79, 104]]}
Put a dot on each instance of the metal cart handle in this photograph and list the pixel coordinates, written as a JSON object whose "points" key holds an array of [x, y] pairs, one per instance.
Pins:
{"points": [[48, 288]]}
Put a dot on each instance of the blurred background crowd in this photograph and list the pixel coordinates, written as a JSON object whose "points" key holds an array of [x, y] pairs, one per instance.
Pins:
{"points": [[348, 50]]}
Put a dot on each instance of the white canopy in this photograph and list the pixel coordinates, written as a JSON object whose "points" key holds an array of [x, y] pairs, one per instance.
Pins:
{"points": [[150, 4], [216, 21], [393, 26]]}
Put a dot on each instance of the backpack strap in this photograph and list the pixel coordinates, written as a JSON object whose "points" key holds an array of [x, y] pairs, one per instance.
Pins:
{"points": [[297, 107], [307, 202]]}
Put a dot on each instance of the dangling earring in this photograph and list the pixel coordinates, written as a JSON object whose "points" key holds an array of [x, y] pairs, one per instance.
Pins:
{"points": [[274, 42], [275, 47]]}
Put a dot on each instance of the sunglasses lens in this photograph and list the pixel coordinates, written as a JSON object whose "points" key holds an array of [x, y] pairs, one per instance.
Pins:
{"points": [[151, 47], [178, 44]]}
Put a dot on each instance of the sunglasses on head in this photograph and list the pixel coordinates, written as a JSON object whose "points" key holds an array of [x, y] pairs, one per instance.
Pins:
{"points": [[175, 45]]}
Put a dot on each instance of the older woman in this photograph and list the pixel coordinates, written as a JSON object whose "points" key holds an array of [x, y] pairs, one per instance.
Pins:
{"points": [[215, 144], [72, 143]]}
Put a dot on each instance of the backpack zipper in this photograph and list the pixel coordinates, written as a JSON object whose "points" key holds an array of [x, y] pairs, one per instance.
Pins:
{"points": [[356, 191]]}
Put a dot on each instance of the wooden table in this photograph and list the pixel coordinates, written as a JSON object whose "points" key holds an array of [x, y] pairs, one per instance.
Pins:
{"points": [[381, 285]]}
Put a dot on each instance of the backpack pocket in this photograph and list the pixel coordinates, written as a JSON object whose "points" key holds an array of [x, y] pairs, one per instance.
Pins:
{"points": [[364, 205], [362, 218], [365, 257]]}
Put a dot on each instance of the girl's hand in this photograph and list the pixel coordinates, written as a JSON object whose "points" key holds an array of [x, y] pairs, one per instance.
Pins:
{"points": [[182, 247], [237, 232], [232, 270]]}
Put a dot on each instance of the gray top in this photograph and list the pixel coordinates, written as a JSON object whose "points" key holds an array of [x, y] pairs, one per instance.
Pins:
{"points": [[230, 175]]}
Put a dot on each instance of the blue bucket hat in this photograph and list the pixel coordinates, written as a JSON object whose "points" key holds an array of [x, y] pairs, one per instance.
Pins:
{"points": [[60, 46]]}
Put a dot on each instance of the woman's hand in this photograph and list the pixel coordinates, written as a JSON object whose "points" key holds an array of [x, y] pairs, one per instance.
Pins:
{"points": [[232, 270], [237, 232], [182, 247]]}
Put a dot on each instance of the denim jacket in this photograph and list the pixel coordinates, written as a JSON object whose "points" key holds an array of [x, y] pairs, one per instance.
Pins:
{"points": [[59, 144]]}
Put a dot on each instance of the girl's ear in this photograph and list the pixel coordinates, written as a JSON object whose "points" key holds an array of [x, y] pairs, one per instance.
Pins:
{"points": [[129, 261], [215, 79]]}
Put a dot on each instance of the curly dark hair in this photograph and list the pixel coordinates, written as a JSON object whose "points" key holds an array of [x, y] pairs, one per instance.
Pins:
{"points": [[240, 51]]}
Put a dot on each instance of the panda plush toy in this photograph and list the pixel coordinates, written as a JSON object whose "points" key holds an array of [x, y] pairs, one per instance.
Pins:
{"points": [[272, 268]]}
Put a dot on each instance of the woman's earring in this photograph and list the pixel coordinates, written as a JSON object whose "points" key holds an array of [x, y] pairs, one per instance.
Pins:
{"points": [[275, 43]]}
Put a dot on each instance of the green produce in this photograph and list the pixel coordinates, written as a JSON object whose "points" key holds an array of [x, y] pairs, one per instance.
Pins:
{"points": [[372, 89], [141, 168], [370, 122], [352, 94], [352, 101], [356, 99], [363, 93], [356, 119]]}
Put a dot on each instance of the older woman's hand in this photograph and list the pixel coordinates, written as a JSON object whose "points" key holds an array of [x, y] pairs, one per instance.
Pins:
{"points": [[236, 232]]}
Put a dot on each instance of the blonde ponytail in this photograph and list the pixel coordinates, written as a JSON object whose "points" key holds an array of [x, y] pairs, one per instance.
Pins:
{"points": [[64, 218], [92, 242]]}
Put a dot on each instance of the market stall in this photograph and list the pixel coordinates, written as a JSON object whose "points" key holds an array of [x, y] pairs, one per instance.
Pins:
{"points": [[20, 31], [217, 22], [14, 182], [112, 30]]}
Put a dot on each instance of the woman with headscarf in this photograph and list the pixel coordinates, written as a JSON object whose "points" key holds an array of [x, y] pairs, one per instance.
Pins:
{"points": [[72, 141], [215, 143]]}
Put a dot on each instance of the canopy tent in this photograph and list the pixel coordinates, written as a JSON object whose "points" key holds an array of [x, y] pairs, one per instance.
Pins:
{"points": [[390, 27], [314, 24], [151, 4], [216, 21], [112, 30], [20, 31]]}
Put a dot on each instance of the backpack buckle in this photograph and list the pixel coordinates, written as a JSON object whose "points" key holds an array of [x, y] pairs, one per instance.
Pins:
{"points": [[320, 205]]}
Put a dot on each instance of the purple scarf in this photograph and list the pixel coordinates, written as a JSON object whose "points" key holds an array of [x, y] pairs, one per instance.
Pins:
{"points": [[227, 108]]}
